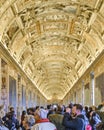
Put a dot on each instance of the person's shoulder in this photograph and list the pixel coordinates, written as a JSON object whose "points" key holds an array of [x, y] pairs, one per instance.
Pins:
{"points": [[3, 128], [79, 119], [81, 116]]}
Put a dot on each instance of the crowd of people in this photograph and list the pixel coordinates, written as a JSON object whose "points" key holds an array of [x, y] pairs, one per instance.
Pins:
{"points": [[54, 117]]}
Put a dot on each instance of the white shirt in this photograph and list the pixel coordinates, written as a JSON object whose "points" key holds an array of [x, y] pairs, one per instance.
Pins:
{"points": [[44, 126]]}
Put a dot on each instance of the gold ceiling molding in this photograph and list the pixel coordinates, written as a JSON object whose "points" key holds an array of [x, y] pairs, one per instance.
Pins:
{"points": [[54, 41]]}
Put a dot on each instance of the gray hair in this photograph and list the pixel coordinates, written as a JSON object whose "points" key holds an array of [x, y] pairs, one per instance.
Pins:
{"points": [[30, 120]]}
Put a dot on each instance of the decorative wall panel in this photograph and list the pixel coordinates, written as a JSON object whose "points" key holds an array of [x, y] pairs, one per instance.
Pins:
{"points": [[12, 92], [23, 97], [99, 82], [87, 94]]}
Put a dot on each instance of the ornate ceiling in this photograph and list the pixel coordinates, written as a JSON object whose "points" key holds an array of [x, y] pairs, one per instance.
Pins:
{"points": [[54, 41]]}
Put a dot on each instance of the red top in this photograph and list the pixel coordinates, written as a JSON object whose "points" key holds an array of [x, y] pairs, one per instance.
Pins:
{"points": [[43, 120]]}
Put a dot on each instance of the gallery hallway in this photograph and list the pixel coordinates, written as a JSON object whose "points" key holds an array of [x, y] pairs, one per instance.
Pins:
{"points": [[51, 51]]}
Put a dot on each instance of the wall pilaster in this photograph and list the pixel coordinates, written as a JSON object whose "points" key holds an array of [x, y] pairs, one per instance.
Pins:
{"points": [[92, 88], [0, 80], [83, 94]]}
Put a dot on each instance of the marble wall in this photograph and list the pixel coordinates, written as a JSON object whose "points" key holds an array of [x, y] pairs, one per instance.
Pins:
{"points": [[93, 86], [16, 90], [12, 92]]}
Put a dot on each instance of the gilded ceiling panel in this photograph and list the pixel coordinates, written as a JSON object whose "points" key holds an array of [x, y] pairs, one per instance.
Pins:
{"points": [[54, 41]]}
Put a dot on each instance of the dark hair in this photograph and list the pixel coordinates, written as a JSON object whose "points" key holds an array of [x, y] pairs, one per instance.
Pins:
{"points": [[37, 107], [23, 112], [94, 113], [71, 105], [79, 107], [86, 108], [30, 111], [11, 108], [90, 109], [42, 107]]}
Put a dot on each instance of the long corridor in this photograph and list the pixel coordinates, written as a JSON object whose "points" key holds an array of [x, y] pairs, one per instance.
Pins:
{"points": [[51, 52]]}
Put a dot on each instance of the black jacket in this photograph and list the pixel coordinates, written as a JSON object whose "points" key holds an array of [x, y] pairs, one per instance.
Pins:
{"points": [[67, 117], [73, 124]]}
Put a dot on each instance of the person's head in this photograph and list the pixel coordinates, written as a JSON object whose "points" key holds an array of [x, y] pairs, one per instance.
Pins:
{"points": [[59, 108], [30, 111], [77, 109], [41, 107], [71, 105], [92, 113], [28, 122], [11, 109], [90, 109], [37, 107], [68, 109], [86, 108], [49, 106], [94, 108], [23, 112]]}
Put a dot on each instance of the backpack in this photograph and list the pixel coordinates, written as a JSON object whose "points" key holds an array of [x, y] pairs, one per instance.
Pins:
{"points": [[86, 121], [88, 127], [100, 126]]}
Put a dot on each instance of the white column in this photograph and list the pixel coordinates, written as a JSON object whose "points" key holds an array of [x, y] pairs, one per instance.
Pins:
{"points": [[75, 97], [83, 93], [19, 94], [92, 88], [32, 98], [36, 98], [27, 98], [71, 97], [39, 99], [7, 85]]}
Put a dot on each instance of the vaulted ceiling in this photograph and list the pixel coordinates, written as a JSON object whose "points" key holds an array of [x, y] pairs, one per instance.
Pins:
{"points": [[54, 41]]}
